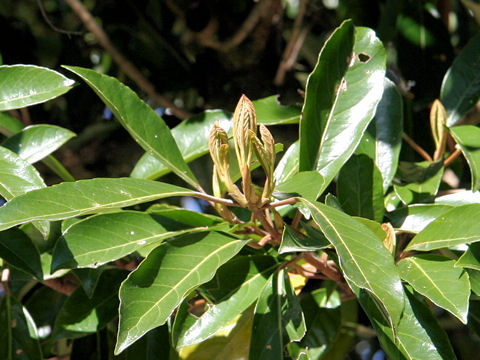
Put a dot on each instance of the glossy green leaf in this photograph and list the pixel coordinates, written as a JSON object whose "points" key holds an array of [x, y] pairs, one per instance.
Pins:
{"points": [[106, 237], [360, 189], [295, 186], [35, 142], [383, 139], [474, 276], [232, 342], [457, 226], [191, 136], [417, 336], [140, 120], [25, 85], [415, 218], [459, 198], [421, 181], [81, 314], [437, 278], [288, 164], [270, 112], [461, 84], [341, 96], [184, 216], [293, 241], [9, 124], [328, 320], [151, 292], [241, 279], [362, 257], [17, 177], [18, 333], [467, 137], [88, 279], [18, 250], [278, 319], [71, 199], [470, 258]]}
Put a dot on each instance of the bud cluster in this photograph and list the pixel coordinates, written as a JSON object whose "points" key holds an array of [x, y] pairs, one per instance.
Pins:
{"points": [[246, 143]]}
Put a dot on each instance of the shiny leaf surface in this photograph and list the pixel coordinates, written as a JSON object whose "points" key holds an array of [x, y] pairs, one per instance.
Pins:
{"points": [[81, 314], [461, 85], [26, 85], [415, 218], [270, 112], [467, 137], [364, 260], [35, 142], [150, 293], [470, 258], [71, 199], [18, 250], [288, 164], [106, 237], [457, 226], [341, 96], [383, 139], [436, 277], [360, 189], [241, 280], [140, 120], [293, 242], [295, 186], [417, 336], [278, 319]]}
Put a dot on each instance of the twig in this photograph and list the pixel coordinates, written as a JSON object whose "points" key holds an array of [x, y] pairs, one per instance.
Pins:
{"points": [[294, 45], [247, 27], [53, 27], [288, 201], [275, 236], [127, 66], [416, 147], [452, 157], [296, 219], [61, 285]]}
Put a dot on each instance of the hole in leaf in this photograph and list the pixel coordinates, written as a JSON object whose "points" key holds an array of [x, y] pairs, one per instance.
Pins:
{"points": [[363, 58]]}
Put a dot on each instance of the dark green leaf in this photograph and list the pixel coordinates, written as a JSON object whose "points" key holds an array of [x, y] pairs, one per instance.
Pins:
{"points": [[35, 142], [278, 319], [461, 84], [288, 164], [241, 279], [18, 333], [383, 138], [457, 226], [106, 237], [270, 112], [184, 216], [9, 124], [17, 176], [153, 346], [232, 342], [467, 137], [359, 188], [421, 181], [415, 218], [474, 277], [459, 198], [437, 278], [151, 292], [340, 100], [25, 85], [71, 199], [362, 257], [18, 250], [470, 258], [140, 120], [293, 241], [88, 278], [295, 186], [191, 136], [417, 336], [81, 314]]}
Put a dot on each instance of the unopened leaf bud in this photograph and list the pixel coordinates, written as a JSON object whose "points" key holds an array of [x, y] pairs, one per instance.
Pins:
{"points": [[244, 121]]}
